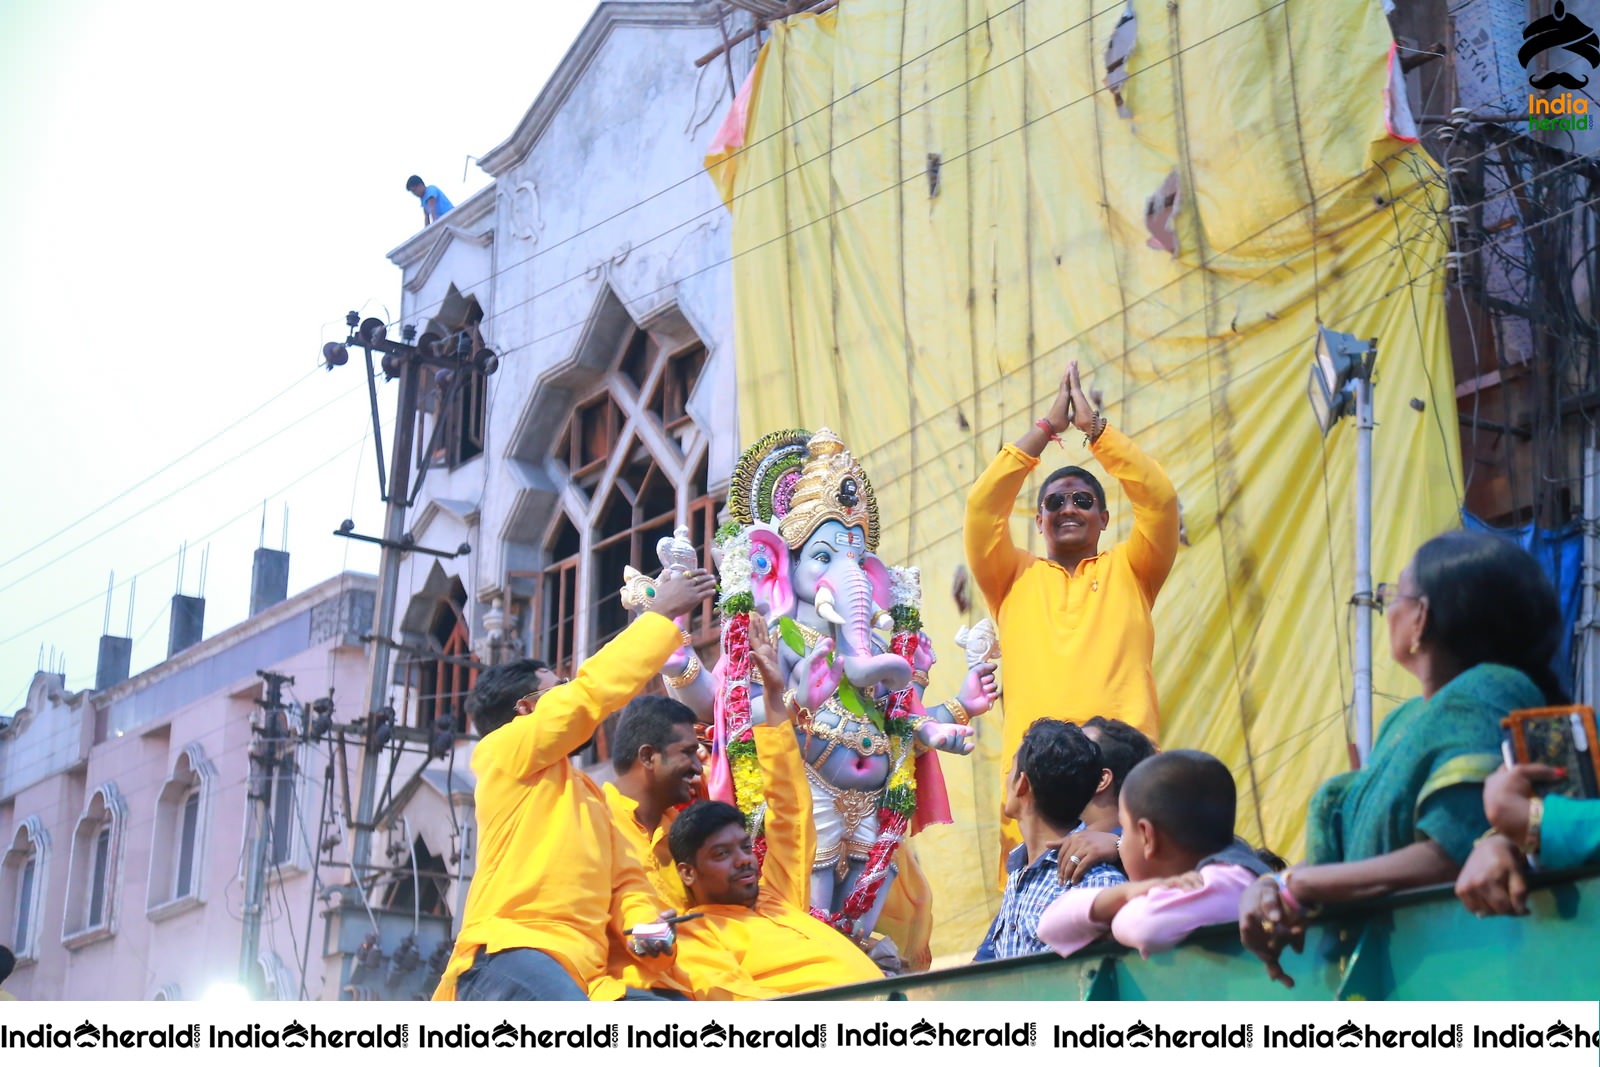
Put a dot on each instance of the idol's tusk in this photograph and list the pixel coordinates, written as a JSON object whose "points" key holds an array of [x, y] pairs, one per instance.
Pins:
{"points": [[825, 607]]}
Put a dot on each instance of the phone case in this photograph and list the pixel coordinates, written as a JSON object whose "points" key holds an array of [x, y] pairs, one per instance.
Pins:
{"points": [[1560, 737]]}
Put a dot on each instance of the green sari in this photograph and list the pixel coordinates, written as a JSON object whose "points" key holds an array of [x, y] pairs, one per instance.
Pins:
{"points": [[1571, 835], [1424, 777]]}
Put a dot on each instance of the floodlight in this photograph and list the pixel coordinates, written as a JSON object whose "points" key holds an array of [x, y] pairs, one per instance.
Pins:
{"points": [[1340, 359]]}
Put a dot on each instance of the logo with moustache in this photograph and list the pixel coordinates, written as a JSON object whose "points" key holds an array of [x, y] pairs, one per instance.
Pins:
{"points": [[1559, 29]]}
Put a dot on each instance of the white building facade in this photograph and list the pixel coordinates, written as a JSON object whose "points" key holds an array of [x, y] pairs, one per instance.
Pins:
{"points": [[598, 267]]}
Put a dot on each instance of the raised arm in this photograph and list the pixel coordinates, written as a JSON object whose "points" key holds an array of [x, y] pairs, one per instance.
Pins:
{"points": [[1153, 545], [565, 718], [791, 836], [992, 557]]}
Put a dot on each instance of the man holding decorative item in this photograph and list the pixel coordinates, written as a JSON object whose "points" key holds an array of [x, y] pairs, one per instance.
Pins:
{"points": [[1075, 623], [558, 890]]}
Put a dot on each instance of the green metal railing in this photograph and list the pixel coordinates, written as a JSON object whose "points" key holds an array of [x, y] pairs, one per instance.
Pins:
{"points": [[1420, 945]]}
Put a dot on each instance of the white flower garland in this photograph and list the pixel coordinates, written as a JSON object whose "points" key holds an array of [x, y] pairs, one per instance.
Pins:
{"points": [[905, 587], [734, 569]]}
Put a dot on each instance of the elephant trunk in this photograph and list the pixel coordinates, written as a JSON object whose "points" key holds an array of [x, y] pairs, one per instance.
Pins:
{"points": [[855, 622]]}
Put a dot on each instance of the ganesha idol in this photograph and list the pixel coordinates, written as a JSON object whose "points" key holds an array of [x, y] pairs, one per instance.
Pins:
{"points": [[800, 558]]}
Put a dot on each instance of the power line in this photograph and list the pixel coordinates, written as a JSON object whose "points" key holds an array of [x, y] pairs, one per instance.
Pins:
{"points": [[919, 176], [494, 274], [280, 431], [232, 425], [322, 463], [790, 232]]}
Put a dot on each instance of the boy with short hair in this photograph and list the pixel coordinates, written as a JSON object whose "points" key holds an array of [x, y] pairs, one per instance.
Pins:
{"points": [[1053, 776], [1185, 867]]}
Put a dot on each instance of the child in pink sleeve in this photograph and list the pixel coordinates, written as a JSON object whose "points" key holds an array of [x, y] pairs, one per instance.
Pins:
{"points": [[1185, 867]]}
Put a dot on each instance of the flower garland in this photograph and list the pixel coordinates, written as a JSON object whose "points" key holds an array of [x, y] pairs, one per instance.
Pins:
{"points": [[737, 599], [736, 569]]}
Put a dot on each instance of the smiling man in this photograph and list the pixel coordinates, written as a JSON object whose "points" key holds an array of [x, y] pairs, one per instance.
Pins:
{"points": [[1075, 624], [656, 756], [758, 913]]}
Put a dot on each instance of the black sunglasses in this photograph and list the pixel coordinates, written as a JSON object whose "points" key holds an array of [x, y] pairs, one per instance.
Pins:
{"points": [[1081, 500]]}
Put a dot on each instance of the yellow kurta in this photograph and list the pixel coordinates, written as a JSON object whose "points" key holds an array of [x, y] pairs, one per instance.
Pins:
{"points": [[1074, 645], [553, 873], [777, 943], [710, 970]]}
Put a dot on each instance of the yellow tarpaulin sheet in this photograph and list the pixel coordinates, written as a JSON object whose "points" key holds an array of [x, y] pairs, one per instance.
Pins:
{"points": [[938, 204]]}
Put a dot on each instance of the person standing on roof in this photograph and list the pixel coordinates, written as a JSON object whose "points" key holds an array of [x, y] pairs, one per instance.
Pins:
{"points": [[435, 205]]}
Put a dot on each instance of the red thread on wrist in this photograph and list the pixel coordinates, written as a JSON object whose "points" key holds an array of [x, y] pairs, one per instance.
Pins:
{"points": [[1044, 424]]}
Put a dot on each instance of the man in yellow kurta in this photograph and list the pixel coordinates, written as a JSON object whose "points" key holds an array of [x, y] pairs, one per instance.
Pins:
{"points": [[1075, 625], [556, 884], [760, 916], [656, 758]]}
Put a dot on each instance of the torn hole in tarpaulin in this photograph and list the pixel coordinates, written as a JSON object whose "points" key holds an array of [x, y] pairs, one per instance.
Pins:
{"points": [[1118, 49], [1397, 118], [1161, 215]]}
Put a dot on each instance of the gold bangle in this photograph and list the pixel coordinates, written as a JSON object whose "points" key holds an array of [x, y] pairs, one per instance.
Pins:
{"points": [[801, 713], [1531, 843], [919, 677], [690, 673], [957, 712], [687, 640]]}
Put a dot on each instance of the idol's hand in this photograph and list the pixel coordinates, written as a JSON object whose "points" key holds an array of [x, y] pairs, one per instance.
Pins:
{"points": [[979, 689], [947, 737]]}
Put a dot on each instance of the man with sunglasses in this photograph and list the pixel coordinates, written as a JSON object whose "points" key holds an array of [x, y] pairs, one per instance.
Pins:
{"points": [[1075, 624]]}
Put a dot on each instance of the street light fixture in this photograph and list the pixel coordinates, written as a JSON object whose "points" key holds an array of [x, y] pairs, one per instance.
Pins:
{"points": [[1341, 360], [1340, 385]]}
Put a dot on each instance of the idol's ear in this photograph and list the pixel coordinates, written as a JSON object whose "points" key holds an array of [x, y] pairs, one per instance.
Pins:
{"points": [[878, 576], [769, 572]]}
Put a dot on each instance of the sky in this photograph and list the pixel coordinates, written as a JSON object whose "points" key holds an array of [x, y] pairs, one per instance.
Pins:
{"points": [[197, 194]]}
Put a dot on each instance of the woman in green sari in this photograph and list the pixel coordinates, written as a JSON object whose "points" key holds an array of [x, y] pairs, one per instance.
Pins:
{"points": [[1475, 619]]}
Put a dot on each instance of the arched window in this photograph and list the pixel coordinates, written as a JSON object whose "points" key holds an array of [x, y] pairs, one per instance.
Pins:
{"points": [[458, 397], [94, 881], [640, 509], [446, 680], [636, 458], [177, 847], [22, 887], [422, 884], [440, 667]]}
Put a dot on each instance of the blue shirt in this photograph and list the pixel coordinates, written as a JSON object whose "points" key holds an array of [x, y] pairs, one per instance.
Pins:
{"points": [[1030, 888], [442, 204]]}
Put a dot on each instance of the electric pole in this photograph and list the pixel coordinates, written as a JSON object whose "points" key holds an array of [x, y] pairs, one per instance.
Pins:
{"points": [[269, 753], [450, 363]]}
